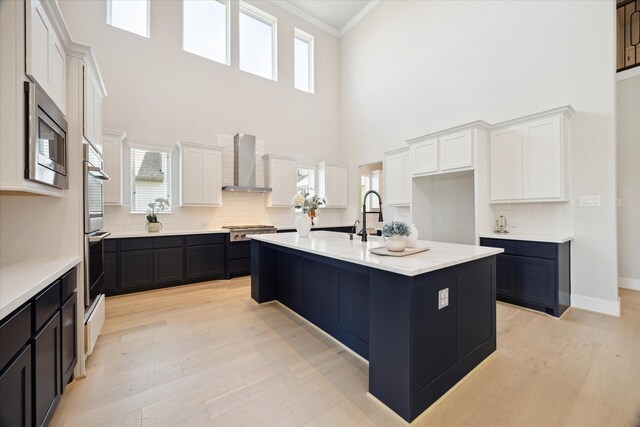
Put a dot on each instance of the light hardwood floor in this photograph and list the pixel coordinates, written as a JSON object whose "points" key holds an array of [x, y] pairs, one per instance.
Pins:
{"points": [[206, 354]]}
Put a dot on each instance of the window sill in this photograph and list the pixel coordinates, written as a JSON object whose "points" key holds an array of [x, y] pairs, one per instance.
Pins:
{"points": [[628, 74]]}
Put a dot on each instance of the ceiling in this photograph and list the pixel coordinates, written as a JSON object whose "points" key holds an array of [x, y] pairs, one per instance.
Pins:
{"points": [[337, 15]]}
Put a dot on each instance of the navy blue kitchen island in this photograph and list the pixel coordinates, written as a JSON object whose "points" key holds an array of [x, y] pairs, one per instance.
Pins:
{"points": [[423, 321]]}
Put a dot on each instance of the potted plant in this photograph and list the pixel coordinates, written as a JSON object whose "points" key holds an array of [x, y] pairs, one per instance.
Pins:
{"points": [[307, 204], [395, 234], [153, 225]]}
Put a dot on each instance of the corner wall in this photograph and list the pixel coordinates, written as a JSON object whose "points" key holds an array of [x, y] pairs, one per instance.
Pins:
{"points": [[412, 68]]}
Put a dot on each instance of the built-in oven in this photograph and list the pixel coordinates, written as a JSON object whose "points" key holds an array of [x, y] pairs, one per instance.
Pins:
{"points": [[46, 135], [94, 178]]}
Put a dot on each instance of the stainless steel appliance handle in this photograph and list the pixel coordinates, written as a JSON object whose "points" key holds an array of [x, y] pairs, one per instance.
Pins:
{"points": [[102, 236], [98, 173]]}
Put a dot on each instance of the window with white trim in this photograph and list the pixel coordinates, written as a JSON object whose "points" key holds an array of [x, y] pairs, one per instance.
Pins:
{"points": [[205, 29], [306, 180], [129, 15], [258, 51], [303, 61], [150, 178]]}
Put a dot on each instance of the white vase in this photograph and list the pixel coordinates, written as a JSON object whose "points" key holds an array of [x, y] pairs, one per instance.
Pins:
{"points": [[154, 227], [303, 225], [413, 237], [395, 243]]}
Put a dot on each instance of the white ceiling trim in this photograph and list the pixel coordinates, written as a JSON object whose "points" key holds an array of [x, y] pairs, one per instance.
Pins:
{"points": [[359, 16], [304, 15]]}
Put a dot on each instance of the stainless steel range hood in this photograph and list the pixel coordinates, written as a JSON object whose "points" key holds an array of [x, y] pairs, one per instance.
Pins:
{"points": [[244, 165]]}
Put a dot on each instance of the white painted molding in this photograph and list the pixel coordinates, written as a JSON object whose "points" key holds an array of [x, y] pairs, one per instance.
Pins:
{"points": [[628, 74], [359, 16], [279, 157], [304, 15], [113, 133], [629, 283], [396, 151], [477, 124], [566, 111], [182, 144], [597, 305]]}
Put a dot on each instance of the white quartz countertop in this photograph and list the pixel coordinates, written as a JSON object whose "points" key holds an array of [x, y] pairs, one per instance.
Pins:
{"points": [[22, 280], [338, 246], [144, 233], [549, 238]]}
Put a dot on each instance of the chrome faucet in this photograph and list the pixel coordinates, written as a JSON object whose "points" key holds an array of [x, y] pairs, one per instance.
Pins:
{"points": [[364, 212], [354, 230]]}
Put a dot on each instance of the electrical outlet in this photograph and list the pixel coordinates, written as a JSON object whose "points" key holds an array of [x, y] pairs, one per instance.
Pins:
{"points": [[443, 298], [589, 201]]}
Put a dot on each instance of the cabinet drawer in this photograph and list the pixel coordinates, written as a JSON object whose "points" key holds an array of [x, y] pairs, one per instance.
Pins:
{"points": [[15, 331], [136, 244], [536, 249], [110, 245], [46, 304], [167, 242], [68, 285], [509, 246], [205, 239], [239, 250], [238, 267]]}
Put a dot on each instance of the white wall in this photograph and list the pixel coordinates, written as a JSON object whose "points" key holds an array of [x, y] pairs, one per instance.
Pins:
{"points": [[412, 68], [628, 136], [160, 94]]}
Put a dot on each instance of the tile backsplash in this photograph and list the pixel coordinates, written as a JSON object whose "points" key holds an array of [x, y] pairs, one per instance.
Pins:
{"points": [[535, 218]]}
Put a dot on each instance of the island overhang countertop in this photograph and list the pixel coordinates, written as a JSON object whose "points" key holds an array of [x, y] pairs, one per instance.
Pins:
{"points": [[338, 246]]}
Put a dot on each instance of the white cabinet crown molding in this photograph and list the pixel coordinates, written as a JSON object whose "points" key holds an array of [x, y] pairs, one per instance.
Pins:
{"points": [[113, 133], [566, 111], [181, 144], [280, 157], [472, 125], [396, 151]]}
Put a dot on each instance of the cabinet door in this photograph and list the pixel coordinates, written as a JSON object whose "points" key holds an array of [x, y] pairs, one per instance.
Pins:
{"points": [[112, 156], [47, 370], [542, 159], [506, 164], [395, 180], [535, 280], [97, 118], [211, 178], [506, 275], [39, 38], [110, 272], [196, 261], [215, 260], [68, 341], [282, 179], [15, 389], [425, 157], [136, 268], [337, 186], [456, 151], [88, 105], [58, 76], [168, 265], [191, 176]]}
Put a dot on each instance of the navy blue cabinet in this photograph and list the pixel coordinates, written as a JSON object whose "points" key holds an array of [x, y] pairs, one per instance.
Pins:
{"points": [[110, 272], [204, 261], [167, 265], [15, 389], [47, 370], [239, 259], [535, 275], [136, 268]]}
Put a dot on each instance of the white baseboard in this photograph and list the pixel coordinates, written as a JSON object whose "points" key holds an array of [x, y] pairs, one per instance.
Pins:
{"points": [[629, 283], [597, 305]]}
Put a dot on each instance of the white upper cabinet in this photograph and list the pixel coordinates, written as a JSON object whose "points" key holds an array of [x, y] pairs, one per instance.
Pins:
{"points": [[446, 151], [92, 98], [456, 151], [112, 142], [333, 184], [280, 174], [529, 158], [506, 161], [424, 156], [397, 177], [45, 56], [200, 174]]}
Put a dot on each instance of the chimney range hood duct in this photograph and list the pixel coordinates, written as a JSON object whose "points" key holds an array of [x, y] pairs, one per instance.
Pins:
{"points": [[244, 165]]}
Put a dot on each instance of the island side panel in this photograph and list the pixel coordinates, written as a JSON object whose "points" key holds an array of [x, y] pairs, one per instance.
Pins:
{"points": [[449, 342], [390, 340], [264, 272]]}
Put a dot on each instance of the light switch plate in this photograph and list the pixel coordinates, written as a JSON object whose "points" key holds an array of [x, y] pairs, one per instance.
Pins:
{"points": [[443, 298]]}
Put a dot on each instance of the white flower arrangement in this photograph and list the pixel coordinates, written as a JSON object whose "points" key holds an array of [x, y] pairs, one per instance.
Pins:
{"points": [[307, 203]]}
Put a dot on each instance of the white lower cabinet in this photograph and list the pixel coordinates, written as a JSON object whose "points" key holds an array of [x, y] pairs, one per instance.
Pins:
{"points": [[333, 184], [397, 177], [200, 174], [529, 158], [280, 174], [112, 142]]}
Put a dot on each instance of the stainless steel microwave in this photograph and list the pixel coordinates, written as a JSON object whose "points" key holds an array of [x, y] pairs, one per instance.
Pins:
{"points": [[46, 130]]}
